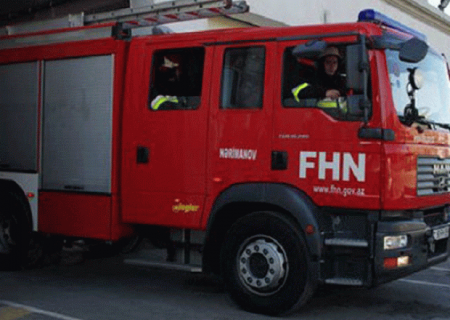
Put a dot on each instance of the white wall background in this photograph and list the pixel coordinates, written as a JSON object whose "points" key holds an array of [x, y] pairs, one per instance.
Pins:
{"points": [[421, 15], [301, 12]]}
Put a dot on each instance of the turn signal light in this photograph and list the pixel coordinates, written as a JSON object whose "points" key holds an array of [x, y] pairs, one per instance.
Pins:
{"points": [[396, 262]]}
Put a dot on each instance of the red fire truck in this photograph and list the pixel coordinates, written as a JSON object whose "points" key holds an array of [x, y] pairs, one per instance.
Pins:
{"points": [[196, 142]]}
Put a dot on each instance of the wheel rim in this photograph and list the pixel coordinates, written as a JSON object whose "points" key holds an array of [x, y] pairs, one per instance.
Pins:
{"points": [[262, 265]]}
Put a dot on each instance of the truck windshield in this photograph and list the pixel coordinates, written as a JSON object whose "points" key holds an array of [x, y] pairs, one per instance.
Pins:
{"points": [[433, 99]]}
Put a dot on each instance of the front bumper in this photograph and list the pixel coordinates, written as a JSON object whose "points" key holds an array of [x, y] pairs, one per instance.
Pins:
{"points": [[425, 248]]}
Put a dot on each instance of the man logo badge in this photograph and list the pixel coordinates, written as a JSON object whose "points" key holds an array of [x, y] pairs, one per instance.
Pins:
{"points": [[441, 168]]}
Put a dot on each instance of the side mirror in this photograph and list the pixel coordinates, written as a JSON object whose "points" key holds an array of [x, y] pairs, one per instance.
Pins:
{"points": [[358, 71], [309, 50], [413, 50], [353, 66]]}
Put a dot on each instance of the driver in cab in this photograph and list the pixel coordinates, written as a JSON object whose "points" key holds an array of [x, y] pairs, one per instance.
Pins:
{"points": [[328, 86]]}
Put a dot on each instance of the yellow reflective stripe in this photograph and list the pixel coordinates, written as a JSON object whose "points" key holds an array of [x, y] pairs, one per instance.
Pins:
{"points": [[333, 104], [343, 106], [297, 89], [159, 100], [327, 104]]}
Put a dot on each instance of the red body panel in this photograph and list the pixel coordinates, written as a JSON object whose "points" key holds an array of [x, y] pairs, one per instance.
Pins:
{"points": [[399, 158], [401, 177], [75, 214]]}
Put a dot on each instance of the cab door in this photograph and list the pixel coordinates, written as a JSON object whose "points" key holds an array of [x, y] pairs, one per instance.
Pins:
{"points": [[241, 122], [164, 152], [328, 159]]}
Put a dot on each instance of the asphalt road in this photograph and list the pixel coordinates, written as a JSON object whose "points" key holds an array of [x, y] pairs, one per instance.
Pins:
{"points": [[106, 288]]}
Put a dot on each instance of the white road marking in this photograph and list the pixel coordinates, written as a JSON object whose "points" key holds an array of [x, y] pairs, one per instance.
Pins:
{"points": [[39, 311], [440, 269], [425, 283]]}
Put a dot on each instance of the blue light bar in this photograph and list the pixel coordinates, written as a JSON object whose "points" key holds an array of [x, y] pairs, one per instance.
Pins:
{"points": [[370, 15]]}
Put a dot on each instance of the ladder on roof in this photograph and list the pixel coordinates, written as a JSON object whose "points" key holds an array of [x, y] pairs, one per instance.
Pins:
{"points": [[128, 18], [167, 12]]}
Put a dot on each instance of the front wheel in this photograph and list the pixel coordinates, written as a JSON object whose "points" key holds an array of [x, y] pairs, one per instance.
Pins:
{"points": [[266, 265]]}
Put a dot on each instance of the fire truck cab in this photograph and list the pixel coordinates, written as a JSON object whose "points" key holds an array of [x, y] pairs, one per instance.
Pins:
{"points": [[198, 141]]}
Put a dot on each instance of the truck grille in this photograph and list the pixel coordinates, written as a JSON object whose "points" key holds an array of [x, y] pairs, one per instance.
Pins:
{"points": [[433, 176]]}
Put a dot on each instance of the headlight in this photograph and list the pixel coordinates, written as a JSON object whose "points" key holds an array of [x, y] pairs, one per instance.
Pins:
{"points": [[395, 242]]}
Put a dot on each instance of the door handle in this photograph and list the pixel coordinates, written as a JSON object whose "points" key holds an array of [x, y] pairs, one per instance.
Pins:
{"points": [[279, 160], [142, 154]]}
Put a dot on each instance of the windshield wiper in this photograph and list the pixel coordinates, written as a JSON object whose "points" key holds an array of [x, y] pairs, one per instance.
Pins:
{"points": [[433, 123], [421, 120]]}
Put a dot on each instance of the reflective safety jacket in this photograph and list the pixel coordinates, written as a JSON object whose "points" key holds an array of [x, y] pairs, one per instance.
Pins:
{"points": [[295, 91], [164, 102], [323, 103], [317, 88], [340, 103]]}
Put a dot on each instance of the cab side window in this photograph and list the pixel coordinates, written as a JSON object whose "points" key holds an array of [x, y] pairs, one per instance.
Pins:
{"points": [[320, 81], [176, 79], [243, 78], [326, 76]]}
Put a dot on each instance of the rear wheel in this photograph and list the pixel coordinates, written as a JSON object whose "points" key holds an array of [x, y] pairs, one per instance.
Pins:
{"points": [[15, 231], [265, 264]]}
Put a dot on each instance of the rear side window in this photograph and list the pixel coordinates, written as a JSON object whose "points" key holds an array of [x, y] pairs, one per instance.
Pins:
{"points": [[243, 78], [176, 79]]}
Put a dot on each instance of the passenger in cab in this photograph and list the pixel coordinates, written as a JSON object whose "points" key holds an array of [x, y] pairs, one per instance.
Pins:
{"points": [[169, 84]]}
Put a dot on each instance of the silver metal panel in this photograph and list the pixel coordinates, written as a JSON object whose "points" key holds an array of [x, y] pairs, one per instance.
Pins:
{"points": [[70, 21], [19, 114], [50, 38], [141, 3], [77, 124]]}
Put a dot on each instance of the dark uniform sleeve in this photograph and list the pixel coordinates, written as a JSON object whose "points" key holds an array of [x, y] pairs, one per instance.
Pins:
{"points": [[306, 90]]}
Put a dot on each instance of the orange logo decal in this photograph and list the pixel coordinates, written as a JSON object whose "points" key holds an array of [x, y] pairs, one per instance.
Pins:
{"points": [[186, 208]]}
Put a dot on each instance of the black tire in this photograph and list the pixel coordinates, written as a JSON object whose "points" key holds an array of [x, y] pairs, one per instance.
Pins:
{"points": [[15, 231], [266, 265]]}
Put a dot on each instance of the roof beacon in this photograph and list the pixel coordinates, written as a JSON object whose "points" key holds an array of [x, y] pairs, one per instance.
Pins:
{"points": [[370, 15]]}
